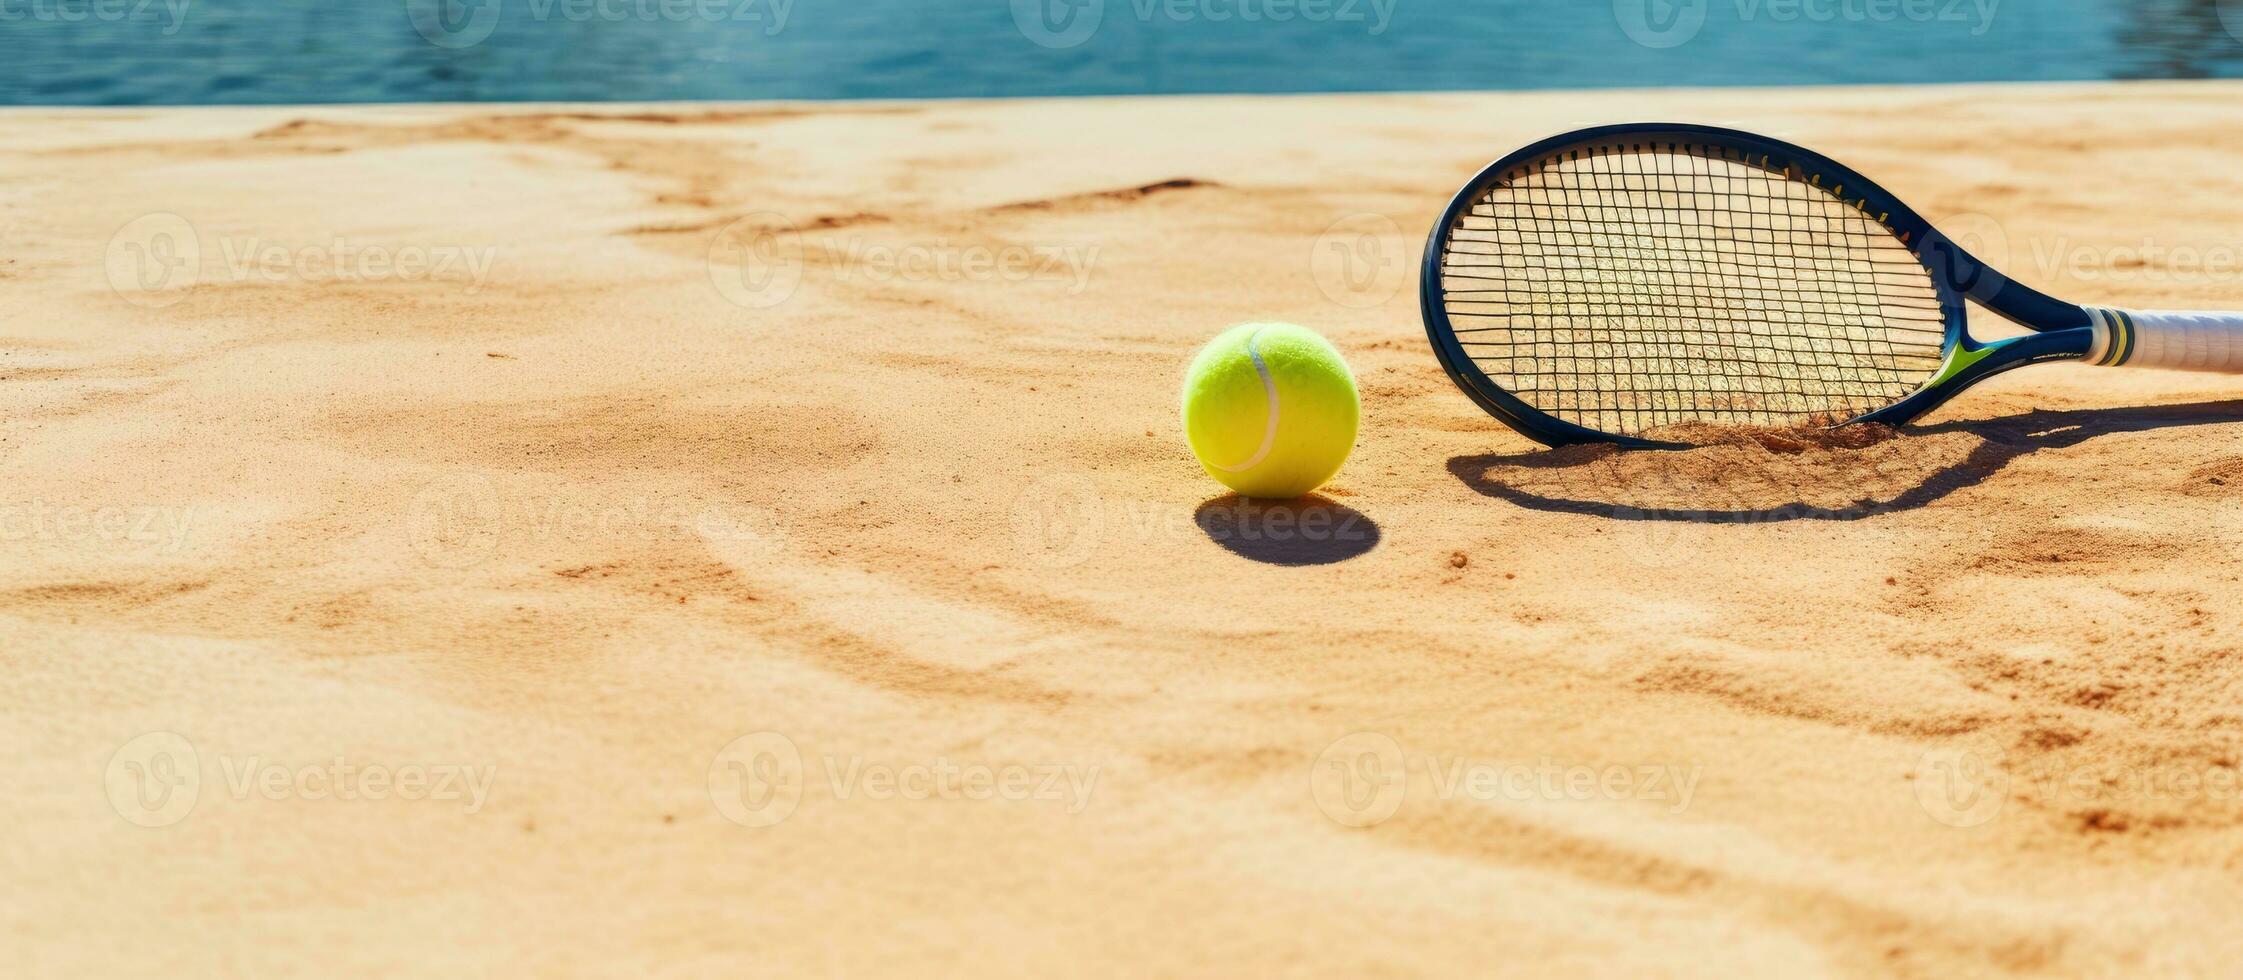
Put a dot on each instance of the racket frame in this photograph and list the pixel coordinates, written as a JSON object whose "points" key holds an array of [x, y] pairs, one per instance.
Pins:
{"points": [[2061, 331]]}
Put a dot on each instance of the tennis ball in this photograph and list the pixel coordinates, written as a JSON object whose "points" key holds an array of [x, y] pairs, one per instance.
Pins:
{"points": [[1270, 409]]}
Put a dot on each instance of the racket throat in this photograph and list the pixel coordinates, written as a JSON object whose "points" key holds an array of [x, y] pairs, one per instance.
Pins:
{"points": [[1969, 362], [1962, 357]]}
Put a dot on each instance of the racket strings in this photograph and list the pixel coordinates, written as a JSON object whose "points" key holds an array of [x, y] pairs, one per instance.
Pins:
{"points": [[1629, 290]]}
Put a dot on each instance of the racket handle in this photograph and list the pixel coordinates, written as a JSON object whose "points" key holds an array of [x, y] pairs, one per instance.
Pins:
{"points": [[2167, 339]]}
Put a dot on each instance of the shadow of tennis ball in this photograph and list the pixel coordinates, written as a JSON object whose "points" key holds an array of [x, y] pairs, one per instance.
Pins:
{"points": [[1310, 530]]}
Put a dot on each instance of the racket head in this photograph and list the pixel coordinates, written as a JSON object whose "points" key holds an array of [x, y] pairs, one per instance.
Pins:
{"points": [[1584, 180]]}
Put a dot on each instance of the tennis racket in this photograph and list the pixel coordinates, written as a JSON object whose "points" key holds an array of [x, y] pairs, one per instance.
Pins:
{"points": [[1619, 284]]}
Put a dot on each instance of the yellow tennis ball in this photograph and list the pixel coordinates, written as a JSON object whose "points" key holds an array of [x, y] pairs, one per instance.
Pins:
{"points": [[1270, 409]]}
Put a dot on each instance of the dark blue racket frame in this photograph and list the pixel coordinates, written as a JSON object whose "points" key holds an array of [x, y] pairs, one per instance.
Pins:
{"points": [[2061, 330]]}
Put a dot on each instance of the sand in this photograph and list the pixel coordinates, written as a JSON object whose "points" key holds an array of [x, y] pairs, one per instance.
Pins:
{"points": [[757, 540]]}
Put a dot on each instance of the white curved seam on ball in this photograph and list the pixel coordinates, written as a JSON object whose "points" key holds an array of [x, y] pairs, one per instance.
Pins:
{"points": [[1269, 390]]}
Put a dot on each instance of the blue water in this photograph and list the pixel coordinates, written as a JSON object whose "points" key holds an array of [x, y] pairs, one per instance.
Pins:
{"points": [[137, 52]]}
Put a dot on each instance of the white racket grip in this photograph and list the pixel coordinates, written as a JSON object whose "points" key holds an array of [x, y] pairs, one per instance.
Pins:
{"points": [[2174, 340]]}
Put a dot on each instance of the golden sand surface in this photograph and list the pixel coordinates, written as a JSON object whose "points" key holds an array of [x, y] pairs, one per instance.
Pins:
{"points": [[727, 540]]}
